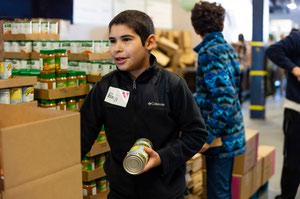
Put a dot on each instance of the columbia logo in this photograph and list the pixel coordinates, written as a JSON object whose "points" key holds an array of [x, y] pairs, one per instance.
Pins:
{"points": [[155, 104]]}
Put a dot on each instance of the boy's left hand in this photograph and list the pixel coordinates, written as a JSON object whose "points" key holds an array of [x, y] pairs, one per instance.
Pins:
{"points": [[154, 159]]}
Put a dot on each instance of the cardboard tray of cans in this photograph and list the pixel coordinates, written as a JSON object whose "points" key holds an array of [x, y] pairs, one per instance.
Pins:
{"points": [[21, 55], [13, 37], [17, 82], [98, 148], [93, 78], [89, 57], [92, 175], [101, 195], [61, 92]]}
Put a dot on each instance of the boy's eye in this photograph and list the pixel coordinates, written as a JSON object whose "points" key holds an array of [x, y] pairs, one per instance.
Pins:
{"points": [[112, 41], [126, 39]]}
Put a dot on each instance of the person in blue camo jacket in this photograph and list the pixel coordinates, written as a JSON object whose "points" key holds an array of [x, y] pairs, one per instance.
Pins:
{"points": [[218, 79]]}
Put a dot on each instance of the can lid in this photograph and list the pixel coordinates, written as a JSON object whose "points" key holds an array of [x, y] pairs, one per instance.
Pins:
{"points": [[80, 72], [62, 50], [133, 164], [71, 73], [44, 101], [46, 51]]}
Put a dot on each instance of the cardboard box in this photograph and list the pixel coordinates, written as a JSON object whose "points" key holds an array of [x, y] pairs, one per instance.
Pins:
{"points": [[196, 162], [257, 175], [17, 82], [162, 59], [36, 142], [16, 55], [89, 57], [246, 161], [98, 148], [168, 46], [61, 92], [241, 186], [65, 184], [93, 78], [15, 37], [268, 163], [92, 175]]}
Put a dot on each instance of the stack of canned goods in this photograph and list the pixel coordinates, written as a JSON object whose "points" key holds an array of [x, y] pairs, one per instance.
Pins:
{"points": [[137, 158], [93, 67], [37, 26], [92, 188], [16, 95]]}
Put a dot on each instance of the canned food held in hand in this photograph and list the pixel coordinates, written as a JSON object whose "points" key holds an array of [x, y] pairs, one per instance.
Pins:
{"points": [[137, 157]]}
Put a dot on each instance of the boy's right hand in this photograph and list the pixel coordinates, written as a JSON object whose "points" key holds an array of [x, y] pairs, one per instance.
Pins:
{"points": [[296, 72], [204, 148]]}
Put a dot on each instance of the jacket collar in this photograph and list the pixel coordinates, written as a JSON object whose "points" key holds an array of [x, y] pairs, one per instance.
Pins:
{"points": [[218, 36], [146, 75]]}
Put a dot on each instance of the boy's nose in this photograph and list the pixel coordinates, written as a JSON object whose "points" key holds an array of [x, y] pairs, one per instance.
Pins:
{"points": [[118, 47]]}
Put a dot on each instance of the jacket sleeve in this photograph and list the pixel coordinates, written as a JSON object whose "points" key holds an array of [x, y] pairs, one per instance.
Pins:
{"points": [[190, 122], [223, 95], [281, 52], [91, 118]]}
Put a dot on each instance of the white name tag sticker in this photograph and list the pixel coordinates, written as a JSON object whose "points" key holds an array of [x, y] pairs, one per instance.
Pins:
{"points": [[117, 96]]}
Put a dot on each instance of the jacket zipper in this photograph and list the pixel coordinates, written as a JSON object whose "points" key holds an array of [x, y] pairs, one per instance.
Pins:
{"points": [[134, 108]]}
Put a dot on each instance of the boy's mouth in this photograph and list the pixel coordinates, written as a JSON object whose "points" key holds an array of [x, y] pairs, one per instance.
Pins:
{"points": [[120, 60]]}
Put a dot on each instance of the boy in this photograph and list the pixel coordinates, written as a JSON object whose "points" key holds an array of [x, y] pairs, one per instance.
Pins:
{"points": [[141, 100], [217, 97]]}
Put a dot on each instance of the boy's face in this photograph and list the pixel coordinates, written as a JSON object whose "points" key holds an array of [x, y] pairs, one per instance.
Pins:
{"points": [[127, 50]]}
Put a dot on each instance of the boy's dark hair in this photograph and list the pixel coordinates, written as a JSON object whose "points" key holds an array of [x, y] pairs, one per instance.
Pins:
{"points": [[139, 21], [207, 17]]}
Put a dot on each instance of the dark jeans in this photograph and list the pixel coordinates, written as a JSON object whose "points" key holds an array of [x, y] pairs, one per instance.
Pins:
{"points": [[290, 177], [219, 175]]}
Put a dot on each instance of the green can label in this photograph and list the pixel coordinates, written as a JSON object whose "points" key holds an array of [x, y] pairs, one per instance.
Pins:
{"points": [[47, 63]]}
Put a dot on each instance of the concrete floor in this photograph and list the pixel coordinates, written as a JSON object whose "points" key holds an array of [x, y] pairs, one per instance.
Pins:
{"points": [[270, 133]]}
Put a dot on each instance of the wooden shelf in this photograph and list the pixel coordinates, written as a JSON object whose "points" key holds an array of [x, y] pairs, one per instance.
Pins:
{"points": [[61, 92], [98, 148], [18, 55], [93, 78], [101, 195], [92, 175], [21, 55], [14, 37], [18, 81], [89, 57]]}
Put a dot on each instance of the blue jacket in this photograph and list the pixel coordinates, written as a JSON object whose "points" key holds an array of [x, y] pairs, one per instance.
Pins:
{"points": [[217, 95], [286, 54]]}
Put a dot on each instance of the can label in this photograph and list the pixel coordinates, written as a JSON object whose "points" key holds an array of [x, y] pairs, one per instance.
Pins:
{"points": [[5, 69], [7, 46], [61, 62], [4, 96], [27, 94], [7, 28], [15, 95], [88, 166], [36, 27], [47, 63], [25, 46], [45, 27]]}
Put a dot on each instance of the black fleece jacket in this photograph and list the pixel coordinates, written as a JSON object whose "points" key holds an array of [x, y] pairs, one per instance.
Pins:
{"points": [[286, 54], [160, 108]]}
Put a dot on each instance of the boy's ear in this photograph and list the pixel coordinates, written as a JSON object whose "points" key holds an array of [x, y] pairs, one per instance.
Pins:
{"points": [[151, 42]]}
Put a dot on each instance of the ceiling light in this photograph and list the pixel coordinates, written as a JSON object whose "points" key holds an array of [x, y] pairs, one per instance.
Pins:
{"points": [[292, 5]]}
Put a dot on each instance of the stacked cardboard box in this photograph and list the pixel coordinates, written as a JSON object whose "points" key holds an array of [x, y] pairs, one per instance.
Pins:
{"points": [[40, 153], [251, 169], [174, 50]]}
